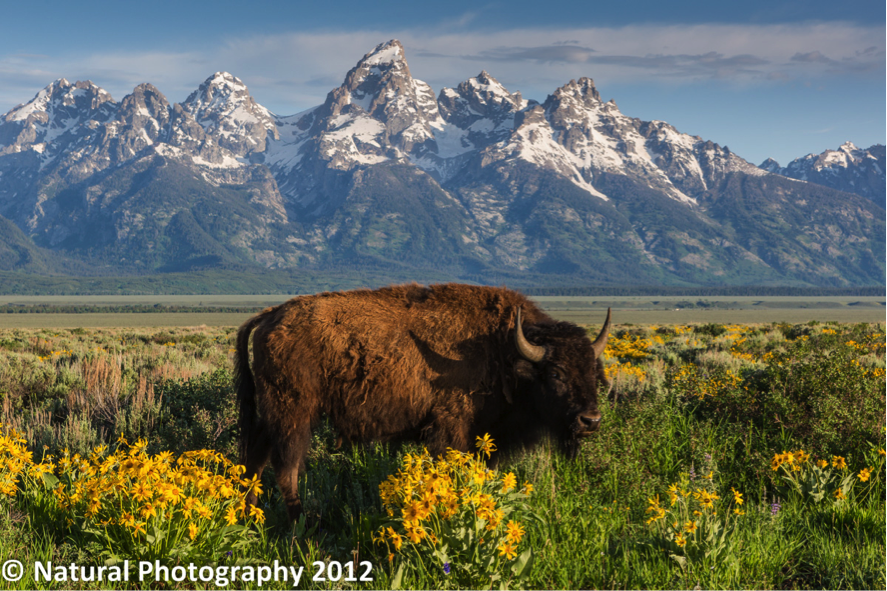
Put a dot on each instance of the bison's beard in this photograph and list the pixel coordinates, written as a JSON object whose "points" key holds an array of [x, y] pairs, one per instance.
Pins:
{"points": [[570, 447], [571, 443]]}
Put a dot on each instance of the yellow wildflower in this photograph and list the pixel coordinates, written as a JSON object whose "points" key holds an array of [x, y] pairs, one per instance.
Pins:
{"points": [[680, 541], [690, 527], [205, 512], [192, 530], [658, 513], [865, 474], [705, 498], [514, 531], [413, 512], [485, 444], [257, 513], [149, 510], [395, 538], [839, 462], [415, 534], [673, 494], [507, 550], [509, 481], [140, 492]]}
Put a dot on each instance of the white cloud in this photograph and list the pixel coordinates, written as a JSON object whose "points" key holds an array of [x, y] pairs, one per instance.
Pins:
{"points": [[289, 72]]}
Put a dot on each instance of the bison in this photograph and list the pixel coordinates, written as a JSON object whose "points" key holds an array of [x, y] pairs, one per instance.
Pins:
{"points": [[442, 365]]}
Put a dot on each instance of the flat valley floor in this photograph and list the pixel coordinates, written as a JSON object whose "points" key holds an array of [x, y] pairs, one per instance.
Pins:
{"points": [[201, 310]]}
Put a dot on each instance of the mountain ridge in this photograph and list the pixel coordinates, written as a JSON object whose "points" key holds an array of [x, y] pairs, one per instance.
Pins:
{"points": [[850, 169], [475, 179]]}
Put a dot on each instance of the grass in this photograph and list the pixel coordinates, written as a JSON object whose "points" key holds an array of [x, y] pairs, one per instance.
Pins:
{"points": [[754, 391]]}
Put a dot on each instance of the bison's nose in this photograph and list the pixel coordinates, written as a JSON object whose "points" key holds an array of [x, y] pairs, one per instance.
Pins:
{"points": [[590, 420]]}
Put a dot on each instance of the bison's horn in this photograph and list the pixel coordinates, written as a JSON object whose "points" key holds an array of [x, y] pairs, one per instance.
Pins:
{"points": [[600, 343], [528, 351]]}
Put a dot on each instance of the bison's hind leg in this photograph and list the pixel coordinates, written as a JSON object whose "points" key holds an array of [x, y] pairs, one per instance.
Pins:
{"points": [[258, 451], [287, 458]]}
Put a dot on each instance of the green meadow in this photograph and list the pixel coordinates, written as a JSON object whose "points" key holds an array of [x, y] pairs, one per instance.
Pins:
{"points": [[729, 456]]}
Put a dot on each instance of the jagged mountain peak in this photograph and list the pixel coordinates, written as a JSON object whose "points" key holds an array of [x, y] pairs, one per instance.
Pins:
{"points": [[488, 90], [60, 94], [386, 61], [223, 106], [220, 93], [145, 105], [580, 93], [382, 69], [389, 53], [225, 80], [379, 113], [145, 92], [217, 91], [770, 165], [478, 100]]}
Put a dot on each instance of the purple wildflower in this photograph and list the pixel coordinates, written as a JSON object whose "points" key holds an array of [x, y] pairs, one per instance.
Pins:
{"points": [[774, 508], [707, 457], [692, 473], [446, 568]]}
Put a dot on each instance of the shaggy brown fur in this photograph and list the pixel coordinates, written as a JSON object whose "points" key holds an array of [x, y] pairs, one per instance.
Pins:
{"points": [[437, 364]]}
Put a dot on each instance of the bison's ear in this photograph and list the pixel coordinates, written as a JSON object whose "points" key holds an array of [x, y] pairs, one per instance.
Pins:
{"points": [[524, 370]]}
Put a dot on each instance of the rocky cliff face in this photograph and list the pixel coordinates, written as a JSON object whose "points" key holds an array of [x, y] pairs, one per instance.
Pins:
{"points": [[474, 180]]}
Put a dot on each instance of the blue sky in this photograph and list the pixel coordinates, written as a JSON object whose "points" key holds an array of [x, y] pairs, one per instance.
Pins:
{"points": [[779, 78]]}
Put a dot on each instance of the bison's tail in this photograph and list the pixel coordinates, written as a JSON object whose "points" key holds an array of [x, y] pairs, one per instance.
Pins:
{"points": [[246, 385]]}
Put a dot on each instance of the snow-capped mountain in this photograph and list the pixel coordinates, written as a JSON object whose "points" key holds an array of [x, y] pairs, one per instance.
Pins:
{"points": [[382, 114], [851, 169], [469, 181]]}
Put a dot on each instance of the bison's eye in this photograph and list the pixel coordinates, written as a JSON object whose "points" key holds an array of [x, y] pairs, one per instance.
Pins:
{"points": [[555, 375]]}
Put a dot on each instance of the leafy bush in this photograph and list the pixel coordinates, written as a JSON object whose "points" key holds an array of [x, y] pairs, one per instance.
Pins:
{"points": [[198, 413], [131, 504], [825, 481], [711, 329], [449, 520]]}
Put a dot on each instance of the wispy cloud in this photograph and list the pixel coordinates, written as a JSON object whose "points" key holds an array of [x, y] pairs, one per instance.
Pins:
{"points": [[812, 57], [557, 52]]}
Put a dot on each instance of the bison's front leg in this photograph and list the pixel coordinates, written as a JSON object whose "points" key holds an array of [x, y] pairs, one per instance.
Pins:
{"points": [[448, 430]]}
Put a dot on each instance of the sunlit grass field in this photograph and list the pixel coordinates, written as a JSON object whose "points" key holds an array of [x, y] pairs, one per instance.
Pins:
{"points": [[688, 483]]}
